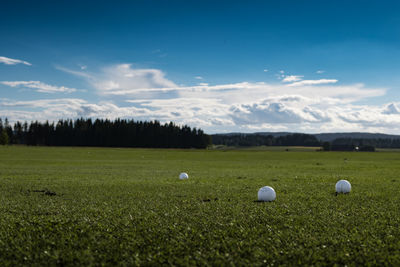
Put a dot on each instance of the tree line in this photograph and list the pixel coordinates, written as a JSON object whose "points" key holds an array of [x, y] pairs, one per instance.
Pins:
{"points": [[339, 144], [103, 133], [361, 144], [153, 134], [296, 139]]}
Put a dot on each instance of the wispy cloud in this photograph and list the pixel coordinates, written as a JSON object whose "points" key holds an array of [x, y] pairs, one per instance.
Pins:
{"points": [[280, 75], [245, 91], [123, 77], [124, 81], [198, 78], [11, 61], [81, 73], [313, 82], [292, 78], [320, 71], [265, 70], [159, 53], [39, 86]]}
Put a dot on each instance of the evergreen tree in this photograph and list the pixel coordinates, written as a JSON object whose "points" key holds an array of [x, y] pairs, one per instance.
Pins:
{"points": [[18, 133], [117, 133], [3, 137]]}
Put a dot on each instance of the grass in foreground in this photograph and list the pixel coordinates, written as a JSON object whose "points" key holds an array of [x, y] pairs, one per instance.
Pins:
{"points": [[92, 206]]}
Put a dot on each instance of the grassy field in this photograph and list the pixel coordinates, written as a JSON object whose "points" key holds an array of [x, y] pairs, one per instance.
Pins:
{"points": [[95, 206]]}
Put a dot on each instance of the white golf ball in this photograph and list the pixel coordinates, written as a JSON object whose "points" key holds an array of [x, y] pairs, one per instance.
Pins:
{"points": [[266, 193], [343, 186], [183, 175]]}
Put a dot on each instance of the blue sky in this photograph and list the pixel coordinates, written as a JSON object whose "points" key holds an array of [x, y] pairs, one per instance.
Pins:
{"points": [[309, 66]]}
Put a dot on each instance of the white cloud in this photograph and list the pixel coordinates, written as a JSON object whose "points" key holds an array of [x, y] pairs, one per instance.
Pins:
{"points": [[11, 61], [391, 108], [82, 74], [320, 71], [245, 91], [286, 113], [310, 116], [123, 77], [198, 78], [54, 109], [204, 112], [123, 80], [370, 117], [297, 105], [39, 86], [250, 92], [265, 70], [279, 110], [44, 103], [292, 78], [313, 82]]}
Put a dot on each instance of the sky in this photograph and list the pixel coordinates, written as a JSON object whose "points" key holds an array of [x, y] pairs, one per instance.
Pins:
{"points": [[222, 66]]}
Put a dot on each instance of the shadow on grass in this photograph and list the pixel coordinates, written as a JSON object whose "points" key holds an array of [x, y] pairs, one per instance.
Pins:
{"points": [[45, 192]]}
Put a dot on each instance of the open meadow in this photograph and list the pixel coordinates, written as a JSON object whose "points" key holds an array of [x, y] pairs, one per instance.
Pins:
{"points": [[110, 206]]}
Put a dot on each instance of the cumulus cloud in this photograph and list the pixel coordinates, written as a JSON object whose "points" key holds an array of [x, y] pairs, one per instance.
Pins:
{"points": [[284, 110], [293, 105], [391, 108], [39, 86], [283, 113], [205, 112], [308, 115], [370, 117], [54, 109], [11, 61]]}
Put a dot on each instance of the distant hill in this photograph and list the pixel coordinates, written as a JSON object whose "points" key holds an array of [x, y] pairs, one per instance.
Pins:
{"points": [[324, 136], [332, 136], [274, 134]]}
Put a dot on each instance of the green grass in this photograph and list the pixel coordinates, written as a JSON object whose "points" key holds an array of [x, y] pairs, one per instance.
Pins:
{"points": [[268, 148], [128, 207]]}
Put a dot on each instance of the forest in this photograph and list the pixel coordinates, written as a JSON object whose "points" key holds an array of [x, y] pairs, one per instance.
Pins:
{"points": [[103, 133], [298, 139], [265, 140], [153, 134]]}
